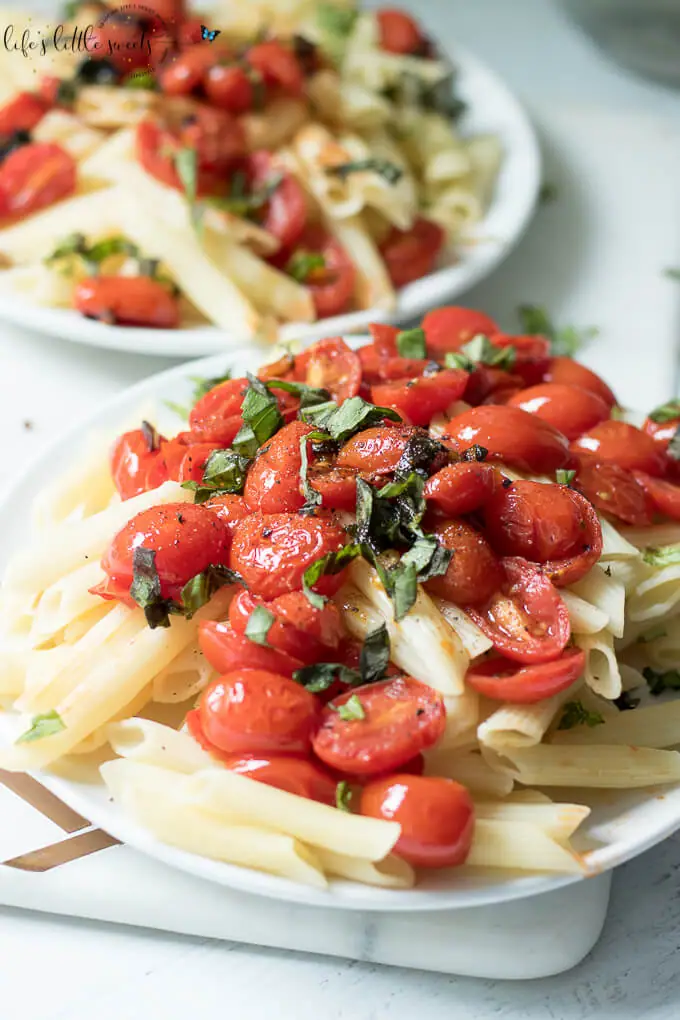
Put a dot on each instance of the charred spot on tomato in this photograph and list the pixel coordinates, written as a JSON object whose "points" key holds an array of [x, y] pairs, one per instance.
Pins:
{"points": [[506, 483], [475, 452]]}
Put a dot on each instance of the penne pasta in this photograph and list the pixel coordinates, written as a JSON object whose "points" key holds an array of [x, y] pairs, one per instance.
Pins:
{"points": [[599, 766], [559, 821], [656, 726], [521, 725], [519, 845], [150, 743]]}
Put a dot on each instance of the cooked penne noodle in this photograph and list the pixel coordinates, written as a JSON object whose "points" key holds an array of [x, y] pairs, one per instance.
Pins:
{"points": [[42, 231], [151, 743], [373, 288], [656, 726], [559, 821], [606, 594], [85, 487], [62, 127], [654, 536], [584, 617], [474, 641], [390, 873], [522, 725], [184, 678], [657, 596], [469, 769], [65, 601], [519, 845], [615, 545], [600, 766], [602, 669]]}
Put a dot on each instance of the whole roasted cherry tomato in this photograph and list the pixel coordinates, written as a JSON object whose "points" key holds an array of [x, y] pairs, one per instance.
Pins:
{"points": [[277, 65], [398, 719], [411, 254], [22, 113], [418, 400], [317, 624], [337, 486], [462, 488], [273, 481], [511, 436], [307, 639], [474, 573], [572, 373], [622, 444], [127, 301], [227, 651], [34, 176], [570, 409], [186, 71], [229, 509], [399, 32], [216, 417], [526, 620], [229, 87], [664, 496], [663, 423], [331, 365], [285, 213], [377, 450], [185, 537], [613, 491], [272, 551], [437, 817], [255, 711], [136, 463], [447, 329], [548, 524], [378, 368], [186, 463], [503, 680]]}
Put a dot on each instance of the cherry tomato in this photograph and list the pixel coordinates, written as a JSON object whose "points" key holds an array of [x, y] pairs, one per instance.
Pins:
{"points": [[331, 365], [570, 409], [378, 368], [337, 486], [447, 329], [185, 537], [285, 214], [473, 574], [230, 510], [437, 817], [614, 491], [216, 417], [22, 113], [273, 481], [623, 444], [34, 176], [278, 66], [229, 87], [384, 339], [399, 32], [323, 625], [256, 711], [664, 496], [186, 72], [303, 639], [377, 449], [216, 137], [286, 772], [186, 463], [547, 524], [420, 399], [135, 466], [661, 431], [503, 680], [331, 286], [226, 651], [572, 373], [272, 551], [512, 436], [190, 33], [526, 620], [127, 301], [462, 488], [401, 717], [128, 40], [411, 254]]}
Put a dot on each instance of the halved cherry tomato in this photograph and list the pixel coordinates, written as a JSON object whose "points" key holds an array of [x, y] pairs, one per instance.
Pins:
{"points": [[127, 301], [462, 488], [377, 450], [526, 620], [285, 214], [378, 368], [337, 486], [411, 254], [331, 365], [256, 711], [229, 87], [503, 680], [614, 491], [226, 651], [401, 717], [419, 400], [216, 417], [664, 496], [186, 463], [437, 817], [229, 509], [399, 32], [570, 409], [661, 431], [22, 113], [447, 329], [548, 524], [272, 551], [185, 73], [273, 481], [474, 573], [332, 285], [185, 537], [34, 176], [278, 66], [135, 467], [622, 444], [512, 436], [573, 373]]}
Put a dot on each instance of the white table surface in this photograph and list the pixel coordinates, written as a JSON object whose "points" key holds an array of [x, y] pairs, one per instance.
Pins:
{"points": [[52, 969]]}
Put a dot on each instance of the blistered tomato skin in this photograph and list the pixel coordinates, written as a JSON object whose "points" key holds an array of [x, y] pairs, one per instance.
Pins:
{"points": [[273, 482], [572, 373], [377, 450], [571, 409], [512, 436], [217, 415], [613, 491], [418, 400], [447, 329], [462, 488], [134, 467], [503, 680], [622, 444], [229, 509], [474, 573], [226, 650], [664, 496]]}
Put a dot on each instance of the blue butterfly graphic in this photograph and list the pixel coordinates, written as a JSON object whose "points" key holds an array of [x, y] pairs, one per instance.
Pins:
{"points": [[210, 34]]}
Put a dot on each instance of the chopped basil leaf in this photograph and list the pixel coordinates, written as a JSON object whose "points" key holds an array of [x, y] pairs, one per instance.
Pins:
{"points": [[258, 626], [203, 385], [354, 415], [312, 495], [425, 559], [436, 97], [403, 588], [44, 725], [262, 417], [309, 396], [201, 588], [351, 710], [576, 714], [652, 634], [475, 452], [454, 359], [673, 448], [186, 165], [140, 80], [565, 341], [564, 476], [382, 524], [146, 589], [224, 474], [411, 343], [93, 256], [151, 436], [383, 167], [626, 703], [481, 351], [666, 412], [331, 563], [322, 675], [660, 682], [375, 655], [548, 192], [343, 796], [672, 272], [302, 264], [662, 556], [241, 202]]}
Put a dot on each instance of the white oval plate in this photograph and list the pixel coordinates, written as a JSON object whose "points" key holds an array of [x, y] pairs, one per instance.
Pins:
{"points": [[491, 108], [625, 822]]}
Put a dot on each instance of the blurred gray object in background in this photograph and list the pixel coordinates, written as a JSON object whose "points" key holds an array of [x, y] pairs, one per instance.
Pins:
{"points": [[643, 35]]}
